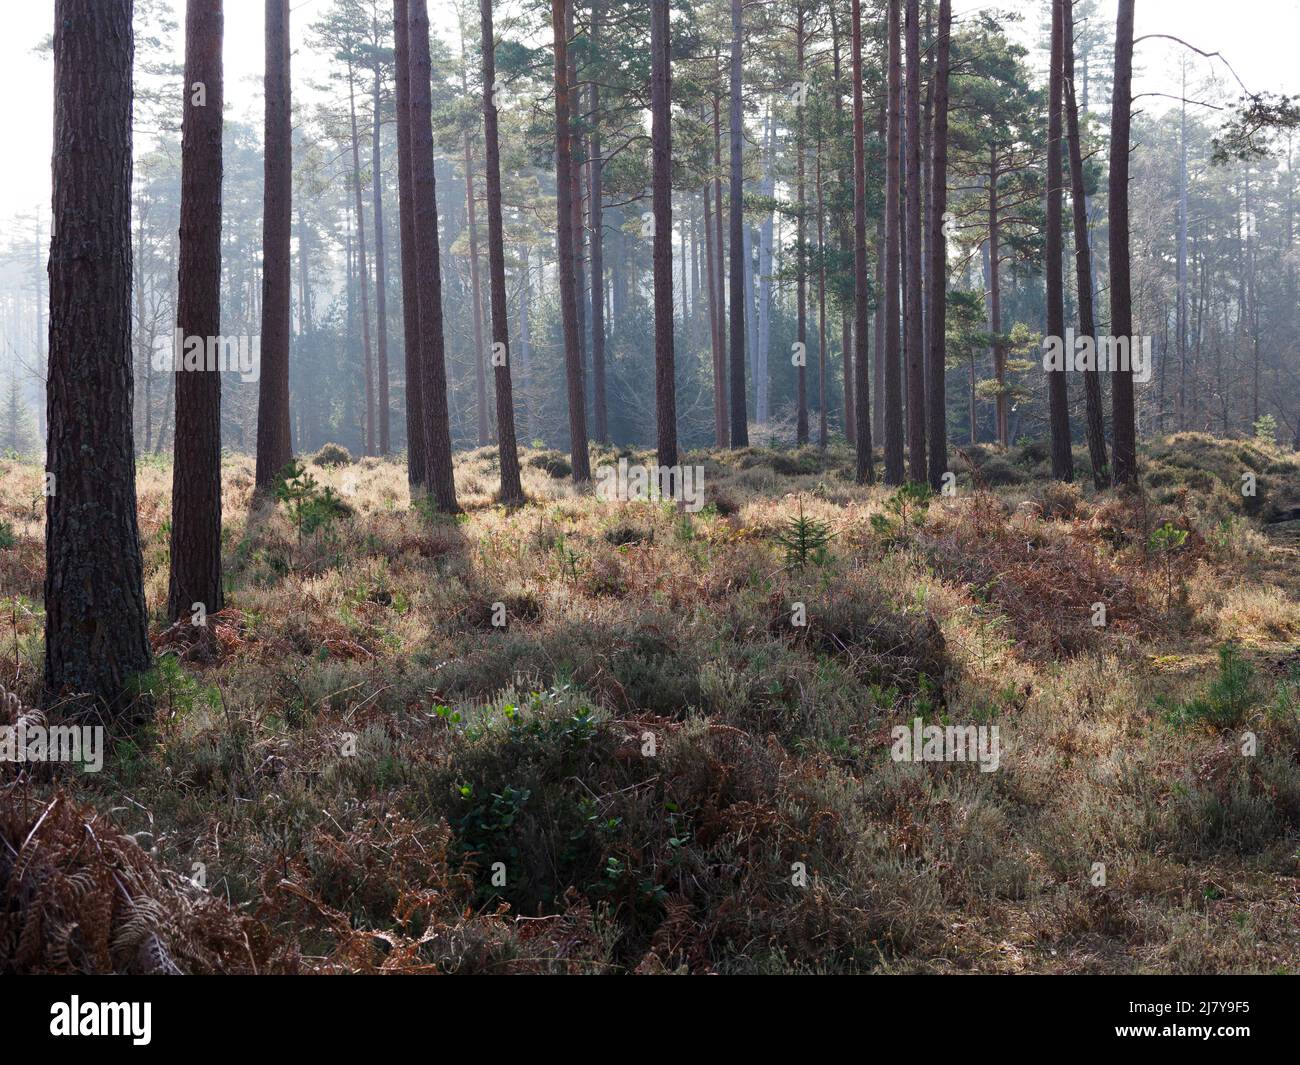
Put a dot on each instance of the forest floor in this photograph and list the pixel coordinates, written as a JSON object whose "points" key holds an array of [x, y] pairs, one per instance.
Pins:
{"points": [[650, 766]]}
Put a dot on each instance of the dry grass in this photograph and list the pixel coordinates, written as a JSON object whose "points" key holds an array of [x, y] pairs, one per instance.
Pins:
{"points": [[654, 752]]}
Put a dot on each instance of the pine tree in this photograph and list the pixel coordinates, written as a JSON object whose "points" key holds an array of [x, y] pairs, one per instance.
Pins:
{"points": [[1121, 298], [96, 620], [274, 438], [661, 186], [195, 574], [511, 491]]}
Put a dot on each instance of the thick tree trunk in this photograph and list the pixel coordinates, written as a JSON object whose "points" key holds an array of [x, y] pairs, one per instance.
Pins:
{"points": [[567, 240], [415, 432], [195, 573], [661, 192], [1121, 300], [893, 401], [915, 334], [865, 472], [439, 476], [96, 621], [1083, 262], [1057, 396], [274, 438], [511, 491], [936, 398]]}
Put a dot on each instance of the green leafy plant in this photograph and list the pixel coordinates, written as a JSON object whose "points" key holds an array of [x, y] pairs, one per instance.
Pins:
{"points": [[905, 511], [1228, 698], [569, 559], [804, 540], [1165, 543], [311, 508], [169, 686], [7, 536]]}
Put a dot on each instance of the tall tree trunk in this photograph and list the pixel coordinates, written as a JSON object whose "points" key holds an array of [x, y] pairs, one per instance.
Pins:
{"points": [[511, 491], [915, 333], [928, 47], [739, 416], [800, 248], [721, 397], [144, 343], [169, 395], [363, 271], [476, 295], [1182, 254], [1121, 300], [566, 240], [865, 472], [762, 384], [1057, 398], [41, 364], [971, 408], [846, 354], [96, 621], [995, 302], [936, 398], [577, 145], [1083, 261], [1253, 313], [845, 241], [696, 270], [822, 428], [381, 271], [195, 572], [878, 325], [661, 192], [751, 310], [309, 434], [439, 476], [893, 402], [526, 340], [416, 473], [715, 326], [595, 171], [274, 438]]}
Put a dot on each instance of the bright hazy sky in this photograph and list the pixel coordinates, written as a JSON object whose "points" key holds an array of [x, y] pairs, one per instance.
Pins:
{"points": [[1257, 36]]}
